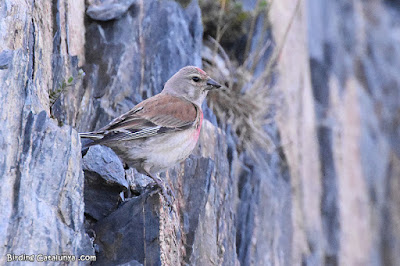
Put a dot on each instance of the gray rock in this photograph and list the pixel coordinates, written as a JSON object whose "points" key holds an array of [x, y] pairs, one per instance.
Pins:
{"points": [[195, 189], [5, 58], [101, 159], [207, 202], [137, 181], [131, 263], [130, 234], [104, 10], [259, 187], [104, 181], [46, 195], [41, 186], [342, 165]]}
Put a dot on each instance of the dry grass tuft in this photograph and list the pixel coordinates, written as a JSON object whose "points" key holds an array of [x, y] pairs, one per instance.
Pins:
{"points": [[245, 104], [248, 103]]}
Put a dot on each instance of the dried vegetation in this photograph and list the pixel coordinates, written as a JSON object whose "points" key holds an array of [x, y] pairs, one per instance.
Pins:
{"points": [[240, 52], [235, 58]]}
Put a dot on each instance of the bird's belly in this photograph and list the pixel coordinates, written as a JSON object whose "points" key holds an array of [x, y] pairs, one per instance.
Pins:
{"points": [[164, 151]]}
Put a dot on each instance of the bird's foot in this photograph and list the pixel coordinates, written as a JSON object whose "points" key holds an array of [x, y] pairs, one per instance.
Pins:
{"points": [[165, 190]]}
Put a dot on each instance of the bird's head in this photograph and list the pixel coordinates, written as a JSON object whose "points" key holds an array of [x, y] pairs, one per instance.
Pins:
{"points": [[190, 83]]}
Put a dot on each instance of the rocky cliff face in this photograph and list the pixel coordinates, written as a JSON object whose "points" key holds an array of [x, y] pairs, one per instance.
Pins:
{"points": [[338, 75], [327, 194], [41, 175]]}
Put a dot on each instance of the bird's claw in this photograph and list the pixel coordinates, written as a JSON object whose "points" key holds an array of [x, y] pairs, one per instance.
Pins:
{"points": [[165, 191]]}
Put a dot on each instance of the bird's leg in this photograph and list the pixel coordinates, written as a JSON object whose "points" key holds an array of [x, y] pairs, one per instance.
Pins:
{"points": [[130, 178], [166, 190]]}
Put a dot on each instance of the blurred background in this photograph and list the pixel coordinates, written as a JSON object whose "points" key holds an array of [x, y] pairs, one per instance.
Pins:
{"points": [[298, 161]]}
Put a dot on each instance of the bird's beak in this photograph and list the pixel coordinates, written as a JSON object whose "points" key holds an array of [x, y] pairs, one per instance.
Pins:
{"points": [[213, 84]]}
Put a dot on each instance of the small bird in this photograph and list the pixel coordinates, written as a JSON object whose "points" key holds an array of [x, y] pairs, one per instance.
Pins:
{"points": [[162, 130]]}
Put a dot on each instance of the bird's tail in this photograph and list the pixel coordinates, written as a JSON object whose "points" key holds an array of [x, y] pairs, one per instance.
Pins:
{"points": [[91, 135], [89, 139]]}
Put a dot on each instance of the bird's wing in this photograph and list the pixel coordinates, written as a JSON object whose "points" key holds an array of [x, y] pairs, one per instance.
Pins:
{"points": [[159, 114]]}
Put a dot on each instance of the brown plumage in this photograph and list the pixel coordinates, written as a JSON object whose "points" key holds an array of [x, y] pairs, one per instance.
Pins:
{"points": [[156, 115]]}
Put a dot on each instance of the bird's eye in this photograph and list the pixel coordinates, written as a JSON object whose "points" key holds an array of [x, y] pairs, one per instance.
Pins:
{"points": [[196, 79]]}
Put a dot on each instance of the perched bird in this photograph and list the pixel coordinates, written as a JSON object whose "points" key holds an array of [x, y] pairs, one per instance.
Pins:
{"points": [[162, 130]]}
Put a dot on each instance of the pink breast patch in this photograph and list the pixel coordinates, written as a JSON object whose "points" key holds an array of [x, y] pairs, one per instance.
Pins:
{"points": [[197, 132]]}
